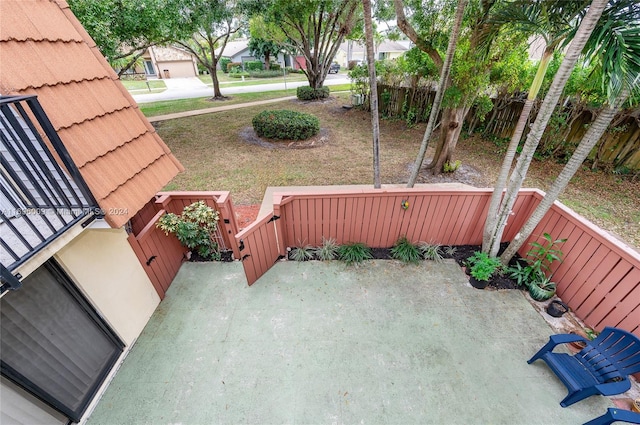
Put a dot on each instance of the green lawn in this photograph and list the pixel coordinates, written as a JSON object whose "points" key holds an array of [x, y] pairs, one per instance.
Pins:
{"points": [[172, 106], [138, 87], [227, 81]]}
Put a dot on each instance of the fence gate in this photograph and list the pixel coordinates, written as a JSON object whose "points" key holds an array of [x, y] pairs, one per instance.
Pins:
{"points": [[259, 249]]}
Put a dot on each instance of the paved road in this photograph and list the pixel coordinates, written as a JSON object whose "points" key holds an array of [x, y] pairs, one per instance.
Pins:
{"points": [[188, 88]]}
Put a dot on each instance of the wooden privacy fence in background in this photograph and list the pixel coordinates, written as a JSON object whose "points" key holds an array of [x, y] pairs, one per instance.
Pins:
{"points": [[599, 277], [160, 255], [619, 147]]}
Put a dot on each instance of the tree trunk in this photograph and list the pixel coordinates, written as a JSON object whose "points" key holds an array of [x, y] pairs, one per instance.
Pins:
{"points": [[217, 94], [374, 93], [452, 120], [546, 110], [442, 85], [490, 242], [267, 60], [591, 137]]}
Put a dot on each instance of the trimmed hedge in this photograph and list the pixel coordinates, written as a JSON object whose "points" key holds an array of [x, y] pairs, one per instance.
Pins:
{"points": [[309, 93], [223, 64], [232, 65], [284, 124], [265, 74], [253, 66]]}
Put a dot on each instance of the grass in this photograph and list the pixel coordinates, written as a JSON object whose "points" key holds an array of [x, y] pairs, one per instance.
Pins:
{"points": [[164, 107], [227, 81], [142, 87], [216, 157]]}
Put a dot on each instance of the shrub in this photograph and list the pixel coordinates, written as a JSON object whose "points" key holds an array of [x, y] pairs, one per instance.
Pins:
{"points": [[431, 251], [253, 66], [194, 228], [354, 253], [265, 74], [328, 250], [274, 66], [232, 65], [238, 74], [303, 253], [482, 266], [284, 124], [309, 93], [405, 251], [223, 64]]}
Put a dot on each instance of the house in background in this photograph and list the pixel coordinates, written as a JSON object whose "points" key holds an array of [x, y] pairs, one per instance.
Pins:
{"points": [[238, 51], [78, 161], [169, 62], [351, 50]]}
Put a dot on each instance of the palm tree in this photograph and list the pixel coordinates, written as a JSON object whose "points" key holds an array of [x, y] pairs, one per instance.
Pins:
{"points": [[373, 98], [546, 110], [616, 47], [552, 20], [442, 86]]}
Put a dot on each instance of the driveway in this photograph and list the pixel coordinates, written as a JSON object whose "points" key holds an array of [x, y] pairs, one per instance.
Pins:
{"points": [[189, 88], [323, 343]]}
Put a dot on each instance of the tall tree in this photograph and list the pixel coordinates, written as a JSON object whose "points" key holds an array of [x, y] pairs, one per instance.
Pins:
{"points": [[442, 83], [373, 99], [518, 175], [124, 29], [313, 28], [614, 46], [428, 17], [552, 20], [213, 23]]}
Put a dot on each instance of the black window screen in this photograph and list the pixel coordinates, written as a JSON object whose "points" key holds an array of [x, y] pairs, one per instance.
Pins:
{"points": [[53, 343]]}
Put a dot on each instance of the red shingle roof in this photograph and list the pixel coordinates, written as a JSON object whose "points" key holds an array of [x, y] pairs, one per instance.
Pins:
{"points": [[45, 51]]}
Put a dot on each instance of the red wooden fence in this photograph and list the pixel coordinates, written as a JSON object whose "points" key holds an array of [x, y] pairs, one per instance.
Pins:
{"points": [[259, 249], [161, 256], [599, 278]]}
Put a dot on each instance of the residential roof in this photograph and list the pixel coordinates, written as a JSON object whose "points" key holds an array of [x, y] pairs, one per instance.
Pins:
{"points": [[171, 53], [47, 52], [385, 46], [234, 47]]}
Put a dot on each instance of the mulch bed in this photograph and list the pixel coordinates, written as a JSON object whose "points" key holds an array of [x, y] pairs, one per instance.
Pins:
{"points": [[248, 135], [462, 252]]}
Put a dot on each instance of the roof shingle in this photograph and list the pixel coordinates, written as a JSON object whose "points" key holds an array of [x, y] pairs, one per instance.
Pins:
{"points": [[46, 52]]}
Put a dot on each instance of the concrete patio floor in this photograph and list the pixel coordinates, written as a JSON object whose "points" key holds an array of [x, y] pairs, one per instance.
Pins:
{"points": [[324, 343]]}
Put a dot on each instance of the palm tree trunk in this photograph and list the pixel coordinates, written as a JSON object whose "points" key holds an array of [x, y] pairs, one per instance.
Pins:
{"points": [[490, 244], [546, 110], [591, 137], [442, 85], [373, 101]]}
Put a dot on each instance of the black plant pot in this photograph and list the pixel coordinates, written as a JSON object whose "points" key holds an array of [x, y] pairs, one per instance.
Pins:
{"points": [[478, 284], [226, 256]]}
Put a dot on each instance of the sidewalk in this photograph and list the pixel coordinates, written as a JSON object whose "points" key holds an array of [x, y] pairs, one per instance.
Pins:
{"points": [[217, 109]]}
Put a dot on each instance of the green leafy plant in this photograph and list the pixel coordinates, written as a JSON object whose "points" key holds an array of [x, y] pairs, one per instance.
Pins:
{"points": [[284, 124], [309, 93], [253, 66], [328, 250], [431, 251], [302, 253], [450, 250], [195, 229], [481, 266], [223, 64], [535, 274], [353, 253], [405, 251], [450, 167]]}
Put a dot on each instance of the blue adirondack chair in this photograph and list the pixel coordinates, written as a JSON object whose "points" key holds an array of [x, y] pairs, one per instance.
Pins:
{"points": [[602, 367], [616, 415]]}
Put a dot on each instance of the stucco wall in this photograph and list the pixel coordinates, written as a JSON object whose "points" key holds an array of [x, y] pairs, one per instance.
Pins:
{"points": [[103, 265]]}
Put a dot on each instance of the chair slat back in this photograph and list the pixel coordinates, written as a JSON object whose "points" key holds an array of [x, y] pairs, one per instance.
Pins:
{"points": [[620, 348]]}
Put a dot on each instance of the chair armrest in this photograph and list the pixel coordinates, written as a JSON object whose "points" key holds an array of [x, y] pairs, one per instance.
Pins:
{"points": [[566, 338], [613, 388]]}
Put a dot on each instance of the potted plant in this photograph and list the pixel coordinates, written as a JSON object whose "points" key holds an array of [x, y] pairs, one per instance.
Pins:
{"points": [[482, 268], [536, 274]]}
